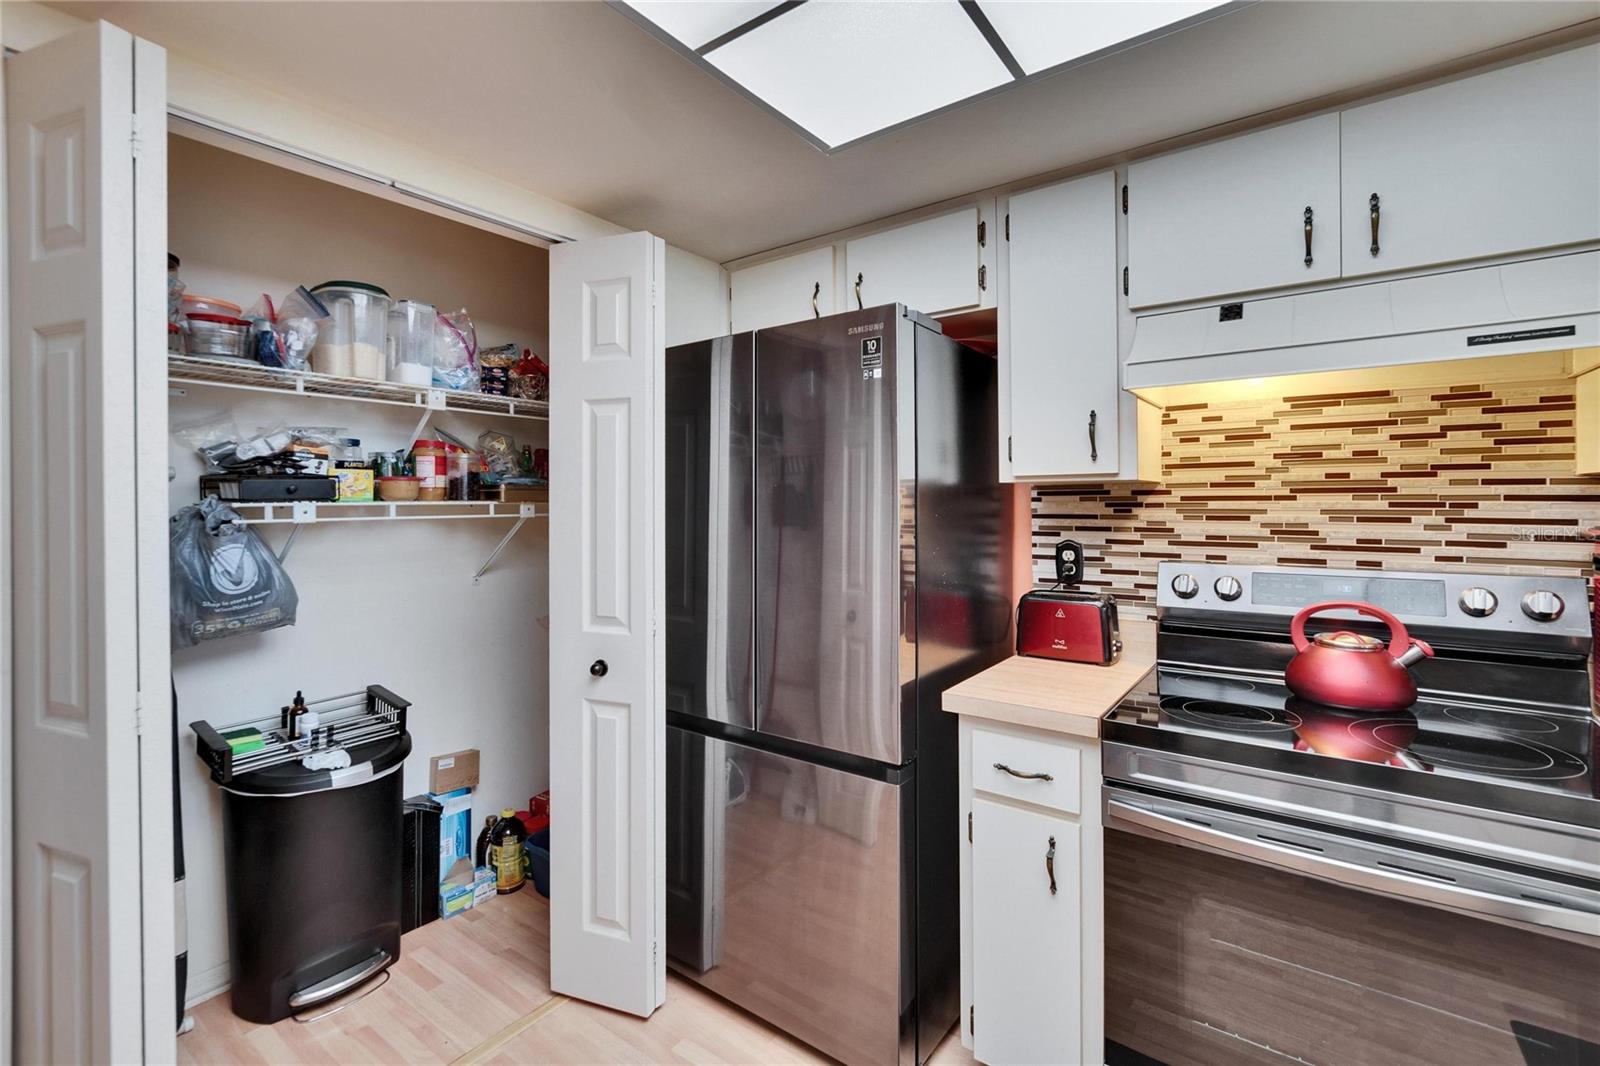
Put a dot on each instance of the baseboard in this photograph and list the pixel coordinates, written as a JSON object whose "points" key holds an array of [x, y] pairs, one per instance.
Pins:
{"points": [[205, 984]]}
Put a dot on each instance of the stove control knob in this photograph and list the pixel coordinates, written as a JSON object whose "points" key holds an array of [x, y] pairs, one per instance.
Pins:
{"points": [[1185, 586], [1477, 601], [1542, 605], [1228, 588]]}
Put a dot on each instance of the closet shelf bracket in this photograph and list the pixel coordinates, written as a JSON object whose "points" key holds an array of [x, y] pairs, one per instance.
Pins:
{"points": [[525, 512]]}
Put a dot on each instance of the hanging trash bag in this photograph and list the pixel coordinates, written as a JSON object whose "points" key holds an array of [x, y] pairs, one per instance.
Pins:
{"points": [[225, 580]]}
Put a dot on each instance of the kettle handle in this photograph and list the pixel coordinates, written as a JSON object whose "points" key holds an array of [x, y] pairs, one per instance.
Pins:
{"points": [[1399, 639]]}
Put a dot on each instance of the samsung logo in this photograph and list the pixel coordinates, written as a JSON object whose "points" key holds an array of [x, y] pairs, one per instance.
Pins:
{"points": [[872, 328]]}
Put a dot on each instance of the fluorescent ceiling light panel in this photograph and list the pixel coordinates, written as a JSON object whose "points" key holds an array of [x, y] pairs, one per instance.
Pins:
{"points": [[842, 71], [696, 23], [1045, 35]]}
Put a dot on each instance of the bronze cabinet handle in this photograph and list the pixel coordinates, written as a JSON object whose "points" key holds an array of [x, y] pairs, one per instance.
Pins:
{"points": [[816, 291], [1025, 775], [1050, 865], [1373, 210], [1308, 217], [1094, 448], [858, 292]]}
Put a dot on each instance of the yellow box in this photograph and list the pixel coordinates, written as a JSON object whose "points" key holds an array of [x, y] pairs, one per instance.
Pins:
{"points": [[355, 484]]}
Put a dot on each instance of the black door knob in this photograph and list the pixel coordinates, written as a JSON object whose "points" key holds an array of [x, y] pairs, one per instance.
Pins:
{"points": [[598, 668]]}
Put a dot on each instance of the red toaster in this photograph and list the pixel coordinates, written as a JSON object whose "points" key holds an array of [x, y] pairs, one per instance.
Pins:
{"points": [[1078, 627]]}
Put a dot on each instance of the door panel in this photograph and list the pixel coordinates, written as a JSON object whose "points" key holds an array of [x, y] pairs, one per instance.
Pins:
{"points": [[1026, 955], [1492, 164], [607, 722], [930, 266], [804, 894], [83, 250], [1230, 216], [1059, 332], [709, 537], [791, 289], [827, 534]]}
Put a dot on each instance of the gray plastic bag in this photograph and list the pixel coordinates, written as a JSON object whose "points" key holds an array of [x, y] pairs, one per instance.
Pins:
{"points": [[225, 580]]}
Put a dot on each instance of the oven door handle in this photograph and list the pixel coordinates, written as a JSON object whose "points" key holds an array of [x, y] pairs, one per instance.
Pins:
{"points": [[1419, 886]]}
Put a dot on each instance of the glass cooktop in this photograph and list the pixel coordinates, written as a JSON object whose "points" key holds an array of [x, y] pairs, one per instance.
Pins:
{"points": [[1505, 758]]}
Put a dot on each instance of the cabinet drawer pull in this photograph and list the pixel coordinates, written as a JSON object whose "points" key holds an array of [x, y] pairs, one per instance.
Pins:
{"points": [[1025, 775], [858, 289], [1050, 865], [1373, 209], [816, 312], [1094, 448], [1308, 217]]}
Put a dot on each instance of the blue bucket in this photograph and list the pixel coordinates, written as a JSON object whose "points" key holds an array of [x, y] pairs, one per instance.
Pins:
{"points": [[538, 847]]}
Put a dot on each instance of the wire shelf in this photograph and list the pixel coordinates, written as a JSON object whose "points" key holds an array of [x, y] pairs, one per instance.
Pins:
{"points": [[193, 370], [345, 721]]}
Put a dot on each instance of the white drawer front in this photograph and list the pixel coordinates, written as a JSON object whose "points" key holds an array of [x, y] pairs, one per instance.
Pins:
{"points": [[1000, 761]]}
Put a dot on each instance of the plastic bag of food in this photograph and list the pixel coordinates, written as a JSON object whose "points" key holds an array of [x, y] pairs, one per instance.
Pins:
{"points": [[285, 332], [455, 352], [499, 454], [225, 580], [530, 378]]}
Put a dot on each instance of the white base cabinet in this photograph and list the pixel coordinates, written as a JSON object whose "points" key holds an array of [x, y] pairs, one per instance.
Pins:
{"points": [[1032, 947]]}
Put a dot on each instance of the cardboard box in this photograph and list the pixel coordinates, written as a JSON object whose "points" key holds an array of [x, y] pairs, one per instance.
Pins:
{"points": [[457, 770], [455, 833], [453, 899], [355, 482], [483, 886]]}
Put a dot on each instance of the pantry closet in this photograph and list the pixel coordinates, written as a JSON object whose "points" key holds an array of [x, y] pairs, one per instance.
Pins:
{"points": [[390, 601]]}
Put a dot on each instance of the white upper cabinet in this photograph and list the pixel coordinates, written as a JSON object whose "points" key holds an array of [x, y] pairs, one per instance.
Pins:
{"points": [[934, 266], [1060, 397], [1503, 162], [1232, 216], [784, 290]]}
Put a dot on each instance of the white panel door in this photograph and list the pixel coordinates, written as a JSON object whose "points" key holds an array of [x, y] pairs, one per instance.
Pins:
{"points": [[786, 290], [1058, 331], [86, 376], [1230, 217], [607, 596], [931, 266], [1502, 162], [1026, 953]]}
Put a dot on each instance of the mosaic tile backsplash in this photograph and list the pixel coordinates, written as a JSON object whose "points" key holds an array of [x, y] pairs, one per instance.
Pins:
{"points": [[1465, 477]]}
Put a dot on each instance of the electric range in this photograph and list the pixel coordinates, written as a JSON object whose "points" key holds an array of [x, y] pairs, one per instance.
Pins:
{"points": [[1482, 796]]}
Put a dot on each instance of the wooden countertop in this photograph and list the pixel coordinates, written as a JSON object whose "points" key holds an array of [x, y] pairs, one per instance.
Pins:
{"points": [[1062, 697]]}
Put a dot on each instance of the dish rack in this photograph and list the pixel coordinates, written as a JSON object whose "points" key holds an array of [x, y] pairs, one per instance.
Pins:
{"points": [[344, 721]]}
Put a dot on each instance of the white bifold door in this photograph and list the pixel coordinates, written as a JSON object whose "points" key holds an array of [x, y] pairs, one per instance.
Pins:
{"points": [[607, 596], [90, 829]]}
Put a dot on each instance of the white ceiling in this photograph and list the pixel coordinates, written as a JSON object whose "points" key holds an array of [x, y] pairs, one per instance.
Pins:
{"points": [[578, 102]]}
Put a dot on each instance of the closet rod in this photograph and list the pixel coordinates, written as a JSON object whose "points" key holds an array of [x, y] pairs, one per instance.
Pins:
{"points": [[211, 125]]}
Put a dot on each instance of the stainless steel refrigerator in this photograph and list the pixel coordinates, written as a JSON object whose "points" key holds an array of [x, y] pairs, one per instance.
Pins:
{"points": [[837, 555]]}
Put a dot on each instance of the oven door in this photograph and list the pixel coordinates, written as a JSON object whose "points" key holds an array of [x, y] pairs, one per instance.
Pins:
{"points": [[1542, 904]]}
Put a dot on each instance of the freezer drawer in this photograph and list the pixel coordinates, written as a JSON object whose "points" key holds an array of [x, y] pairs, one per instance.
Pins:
{"points": [[788, 894]]}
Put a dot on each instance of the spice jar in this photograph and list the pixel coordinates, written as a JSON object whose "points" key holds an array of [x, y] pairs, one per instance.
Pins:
{"points": [[432, 461]]}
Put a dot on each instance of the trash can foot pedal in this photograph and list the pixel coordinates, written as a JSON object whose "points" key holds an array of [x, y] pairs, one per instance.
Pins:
{"points": [[340, 982]]}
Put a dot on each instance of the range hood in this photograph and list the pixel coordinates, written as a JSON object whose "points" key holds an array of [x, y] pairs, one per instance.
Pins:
{"points": [[1530, 305]]}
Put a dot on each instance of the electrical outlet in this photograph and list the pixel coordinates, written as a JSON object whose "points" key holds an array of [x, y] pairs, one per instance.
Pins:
{"points": [[1069, 562]]}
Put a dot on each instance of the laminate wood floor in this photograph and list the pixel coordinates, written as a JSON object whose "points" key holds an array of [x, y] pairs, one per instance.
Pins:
{"points": [[476, 989]]}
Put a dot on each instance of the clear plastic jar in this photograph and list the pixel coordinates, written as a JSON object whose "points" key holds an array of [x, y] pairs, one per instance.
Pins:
{"points": [[411, 333], [354, 342]]}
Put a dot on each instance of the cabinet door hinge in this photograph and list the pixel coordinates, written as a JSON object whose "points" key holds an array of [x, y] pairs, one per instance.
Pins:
{"points": [[1124, 199], [1008, 225], [1124, 281], [1009, 458], [983, 278], [972, 1020], [969, 827], [983, 233]]}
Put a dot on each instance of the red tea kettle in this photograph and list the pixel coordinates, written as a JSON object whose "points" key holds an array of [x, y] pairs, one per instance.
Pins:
{"points": [[1353, 670]]}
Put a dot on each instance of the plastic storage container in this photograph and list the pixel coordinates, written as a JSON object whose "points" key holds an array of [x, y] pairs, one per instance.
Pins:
{"points": [[354, 342], [539, 861], [411, 332], [217, 336], [195, 304]]}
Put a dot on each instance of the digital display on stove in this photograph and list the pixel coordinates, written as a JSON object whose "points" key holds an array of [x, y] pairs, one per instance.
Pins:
{"points": [[1404, 596]]}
